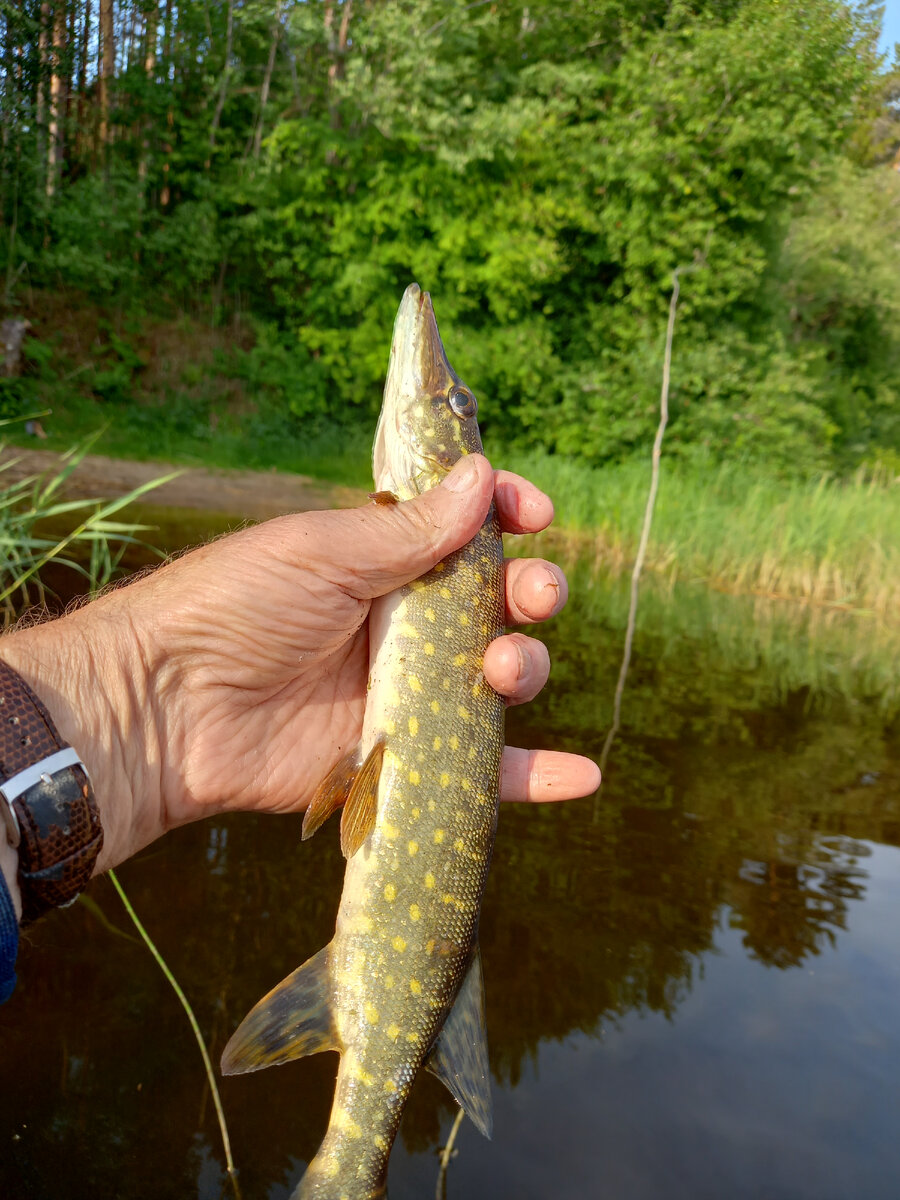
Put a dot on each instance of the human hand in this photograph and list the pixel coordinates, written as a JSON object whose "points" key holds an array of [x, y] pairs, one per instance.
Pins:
{"points": [[235, 676]]}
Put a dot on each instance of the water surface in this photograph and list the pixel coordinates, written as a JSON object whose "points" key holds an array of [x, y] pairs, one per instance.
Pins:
{"points": [[692, 979]]}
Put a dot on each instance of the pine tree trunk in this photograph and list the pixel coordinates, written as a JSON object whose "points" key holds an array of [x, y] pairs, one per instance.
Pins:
{"points": [[107, 68], [151, 17], [41, 99], [57, 98]]}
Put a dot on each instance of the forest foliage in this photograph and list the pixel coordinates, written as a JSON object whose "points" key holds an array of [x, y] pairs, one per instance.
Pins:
{"points": [[541, 168]]}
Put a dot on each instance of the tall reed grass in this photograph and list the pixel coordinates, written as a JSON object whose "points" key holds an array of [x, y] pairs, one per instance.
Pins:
{"points": [[827, 541], [40, 528]]}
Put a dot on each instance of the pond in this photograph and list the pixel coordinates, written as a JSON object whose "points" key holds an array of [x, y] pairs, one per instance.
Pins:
{"points": [[692, 978]]}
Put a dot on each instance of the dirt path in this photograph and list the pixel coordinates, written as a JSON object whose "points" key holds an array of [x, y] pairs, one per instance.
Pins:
{"points": [[253, 495]]}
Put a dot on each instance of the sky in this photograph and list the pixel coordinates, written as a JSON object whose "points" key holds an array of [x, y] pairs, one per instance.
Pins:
{"points": [[890, 29]]}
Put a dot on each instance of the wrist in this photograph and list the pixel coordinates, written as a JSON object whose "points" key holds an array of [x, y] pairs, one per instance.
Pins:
{"points": [[87, 671]]}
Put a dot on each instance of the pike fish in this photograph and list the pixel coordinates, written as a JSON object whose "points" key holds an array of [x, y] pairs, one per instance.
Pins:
{"points": [[399, 986]]}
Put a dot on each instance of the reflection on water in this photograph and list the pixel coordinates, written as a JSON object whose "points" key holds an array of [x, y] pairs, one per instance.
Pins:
{"points": [[691, 981]]}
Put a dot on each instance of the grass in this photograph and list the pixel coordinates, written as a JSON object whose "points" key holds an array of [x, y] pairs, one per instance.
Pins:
{"points": [[737, 529], [91, 545], [167, 390]]}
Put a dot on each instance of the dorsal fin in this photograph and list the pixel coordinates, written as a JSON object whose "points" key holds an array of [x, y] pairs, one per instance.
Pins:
{"points": [[293, 1020], [459, 1057]]}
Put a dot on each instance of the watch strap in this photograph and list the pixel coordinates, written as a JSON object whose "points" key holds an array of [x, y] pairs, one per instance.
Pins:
{"points": [[49, 806]]}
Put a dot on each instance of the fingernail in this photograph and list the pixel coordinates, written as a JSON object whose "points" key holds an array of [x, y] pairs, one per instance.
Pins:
{"points": [[462, 477], [550, 581], [523, 662]]}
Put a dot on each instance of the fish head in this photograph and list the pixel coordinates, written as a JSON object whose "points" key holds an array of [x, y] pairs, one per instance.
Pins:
{"points": [[428, 417]]}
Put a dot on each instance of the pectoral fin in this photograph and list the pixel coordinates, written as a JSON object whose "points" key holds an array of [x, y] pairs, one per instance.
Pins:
{"points": [[460, 1058], [293, 1020]]}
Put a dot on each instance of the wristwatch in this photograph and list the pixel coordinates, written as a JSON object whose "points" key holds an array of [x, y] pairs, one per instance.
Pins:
{"points": [[47, 802]]}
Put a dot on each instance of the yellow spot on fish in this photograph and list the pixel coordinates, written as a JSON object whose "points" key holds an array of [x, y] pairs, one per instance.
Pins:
{"points": [[464, 713], [414, 912], [437, 566], [331, 1168], [388, 981], [390, 726], [459, 660], [446, 593], [379, 1141], [360, 1073], [429, 613], [465, 784], [407, 630], [390, 892], [417, 585], [445, 683], [473, 753], [362, 923], [414, 777], [463, 618], [459, 846], [438, 836], [435, 706], [371, 1012], [429, 880], [342, 1119], [413, 725], [413, 848], [416, 813], [429, 946], [445, 779], [429, 648], [415, 987], [431, 806], [454, 742], [437, 743], [390, 831], [415, 684], [399, 944], [412, 1037]]}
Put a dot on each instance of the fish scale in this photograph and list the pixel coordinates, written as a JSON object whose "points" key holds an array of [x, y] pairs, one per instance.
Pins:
{"points": [[399, 985]]}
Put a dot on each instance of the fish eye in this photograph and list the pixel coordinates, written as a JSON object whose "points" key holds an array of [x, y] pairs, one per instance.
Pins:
{"points": [[462, 402]]}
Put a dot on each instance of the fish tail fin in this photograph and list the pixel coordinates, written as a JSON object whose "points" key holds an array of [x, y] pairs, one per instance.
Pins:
{"points": [[293, 1020]]}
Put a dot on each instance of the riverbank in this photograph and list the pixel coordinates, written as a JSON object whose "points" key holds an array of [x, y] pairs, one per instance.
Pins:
{"points": [[826, 542]]}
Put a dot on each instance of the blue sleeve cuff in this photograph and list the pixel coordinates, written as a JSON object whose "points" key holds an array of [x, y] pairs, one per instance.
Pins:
{"points": [[9, 942]]}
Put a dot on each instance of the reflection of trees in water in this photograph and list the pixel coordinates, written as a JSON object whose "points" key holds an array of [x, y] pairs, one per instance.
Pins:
{"points": [[789, 910], [723, 794]]}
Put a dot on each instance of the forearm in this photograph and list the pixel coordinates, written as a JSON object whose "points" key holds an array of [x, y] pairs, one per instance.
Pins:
{"points": [[89, 670]]}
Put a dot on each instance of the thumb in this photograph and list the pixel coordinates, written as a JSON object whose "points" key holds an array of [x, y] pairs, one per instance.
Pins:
{"points": [[372, 550]]}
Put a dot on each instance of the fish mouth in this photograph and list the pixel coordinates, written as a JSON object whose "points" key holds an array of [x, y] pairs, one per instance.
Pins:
{"points": [[418, 370]]}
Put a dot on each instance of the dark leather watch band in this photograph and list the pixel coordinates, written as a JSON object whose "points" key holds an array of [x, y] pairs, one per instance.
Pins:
{"points": [[47, 802]]}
